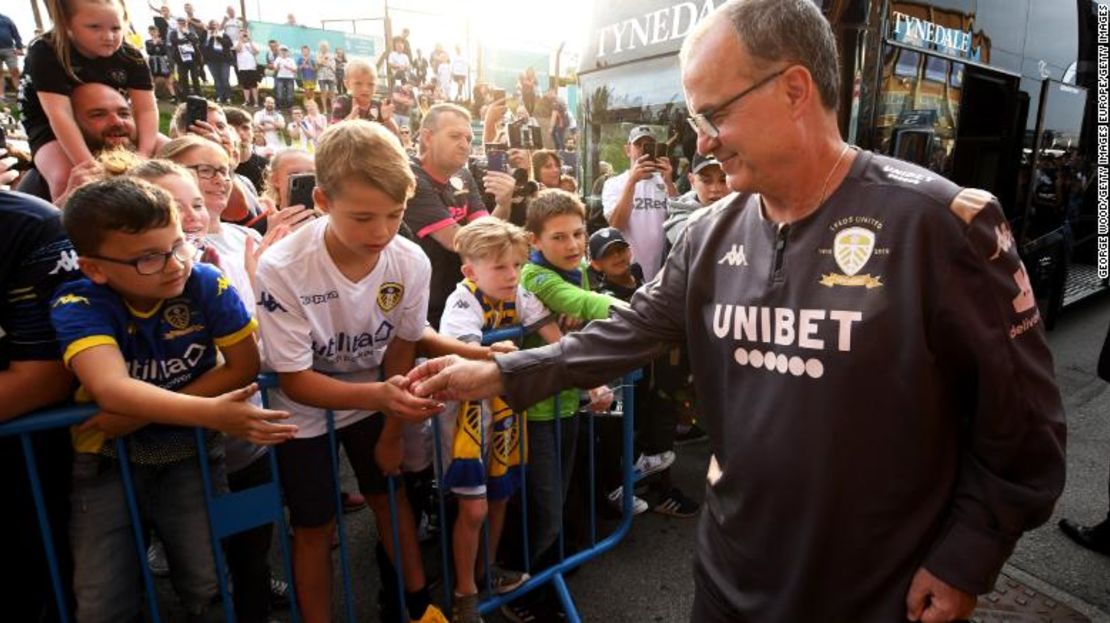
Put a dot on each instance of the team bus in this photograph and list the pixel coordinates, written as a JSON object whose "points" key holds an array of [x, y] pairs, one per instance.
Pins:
{"points": [[995, 94]]}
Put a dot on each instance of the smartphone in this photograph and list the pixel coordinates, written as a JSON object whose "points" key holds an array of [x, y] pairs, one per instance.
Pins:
{"points": [[661, 150], [497, 160], [497, 94], [300, 189], [375, 109], [196, 109], [513, 131]]}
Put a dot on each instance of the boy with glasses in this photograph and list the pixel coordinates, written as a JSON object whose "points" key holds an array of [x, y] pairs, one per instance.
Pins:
{"points": [[141, 332]]}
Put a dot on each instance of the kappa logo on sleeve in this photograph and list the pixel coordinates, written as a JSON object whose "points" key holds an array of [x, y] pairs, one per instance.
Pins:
{"points": [[269, 303], [67, 262], [1004, 240], [1025, 300]]}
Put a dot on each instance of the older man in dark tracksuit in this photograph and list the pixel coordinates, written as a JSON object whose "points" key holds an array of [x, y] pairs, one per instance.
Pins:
{"points": [[882, 412]]}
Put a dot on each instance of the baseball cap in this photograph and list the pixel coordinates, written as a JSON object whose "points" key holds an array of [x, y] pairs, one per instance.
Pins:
{"points": [[604, 238], [638, 133], [700, 162]]}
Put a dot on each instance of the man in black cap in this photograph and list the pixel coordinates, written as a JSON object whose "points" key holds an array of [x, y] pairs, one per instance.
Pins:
{"points": [[614, 272]]}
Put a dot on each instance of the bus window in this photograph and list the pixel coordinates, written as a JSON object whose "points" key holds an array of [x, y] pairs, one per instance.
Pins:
{"points": [[918, 108], [618, 99]]}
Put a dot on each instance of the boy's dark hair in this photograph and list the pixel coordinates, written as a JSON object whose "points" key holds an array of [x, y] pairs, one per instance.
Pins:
{"points": [[123, 204], [548, 204], [236, 116]]}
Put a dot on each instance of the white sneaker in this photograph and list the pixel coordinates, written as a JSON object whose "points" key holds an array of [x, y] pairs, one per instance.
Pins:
{"points": [[649, 464], [616, 501], [156, 559]]}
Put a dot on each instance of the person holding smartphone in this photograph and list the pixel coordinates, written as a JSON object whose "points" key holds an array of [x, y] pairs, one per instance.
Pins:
{"points": [[635, 202]]}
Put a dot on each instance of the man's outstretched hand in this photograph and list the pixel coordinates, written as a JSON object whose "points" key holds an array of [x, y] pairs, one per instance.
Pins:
{"points": [[455, 378], [931, 600]]}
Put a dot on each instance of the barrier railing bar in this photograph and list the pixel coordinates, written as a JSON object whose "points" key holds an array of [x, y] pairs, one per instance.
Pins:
{"points": [[74, 415], [444, 545], [558, 421], [605, 544], [593, 473], [265, 382], [217, 549], [564, 597], [137, 528], [398, 563], [283, 539], [340, 522], [44, 526]]}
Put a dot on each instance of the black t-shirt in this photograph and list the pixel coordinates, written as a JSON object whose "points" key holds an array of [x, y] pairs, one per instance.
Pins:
{"points": [[37, 257], [438, 204], [126, 69], [254, 169]]}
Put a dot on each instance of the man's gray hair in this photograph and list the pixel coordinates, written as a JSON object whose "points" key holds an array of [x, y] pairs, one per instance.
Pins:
{"points": [[774, 31]]}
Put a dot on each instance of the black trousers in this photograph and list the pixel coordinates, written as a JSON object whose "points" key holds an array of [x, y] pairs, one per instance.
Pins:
{"points": [[28, 593]]}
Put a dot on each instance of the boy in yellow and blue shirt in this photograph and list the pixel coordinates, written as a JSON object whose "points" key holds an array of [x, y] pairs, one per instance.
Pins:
{"points": [[141, 332]]}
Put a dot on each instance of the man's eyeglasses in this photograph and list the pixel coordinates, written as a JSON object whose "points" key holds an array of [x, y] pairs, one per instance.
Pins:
{"points": [[207, 171], [703, 122], [154, 263]]}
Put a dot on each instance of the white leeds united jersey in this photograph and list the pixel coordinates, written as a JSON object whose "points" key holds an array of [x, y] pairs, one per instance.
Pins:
{"points": [[313, 317]]}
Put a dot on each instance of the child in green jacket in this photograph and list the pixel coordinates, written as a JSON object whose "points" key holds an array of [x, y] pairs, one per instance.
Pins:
{"points": [[556, 274]]}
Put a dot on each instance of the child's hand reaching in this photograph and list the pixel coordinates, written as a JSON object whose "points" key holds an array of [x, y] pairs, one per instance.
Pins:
{"points": [[601, 398], [502, 347]]}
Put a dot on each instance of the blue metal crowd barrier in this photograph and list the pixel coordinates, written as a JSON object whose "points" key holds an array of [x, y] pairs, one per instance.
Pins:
{"points": [[230, 513]]}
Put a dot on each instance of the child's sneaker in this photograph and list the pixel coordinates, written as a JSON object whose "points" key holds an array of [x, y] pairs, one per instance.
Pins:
{"points": [[617, 502], [649, 464], [279, 594], [352, 501], [465, 609], [676, 504], [525, 613], [503, 580], [692, 434], [156, 560]]}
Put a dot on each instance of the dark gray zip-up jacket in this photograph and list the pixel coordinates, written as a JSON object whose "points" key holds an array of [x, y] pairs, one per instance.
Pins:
{"points": [[876, 385]]}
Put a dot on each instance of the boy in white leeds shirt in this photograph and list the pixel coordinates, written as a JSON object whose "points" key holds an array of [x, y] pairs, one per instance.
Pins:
{"points": [[342, 303]]}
